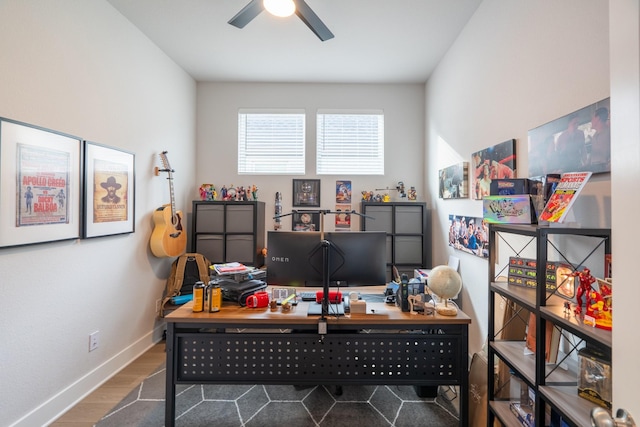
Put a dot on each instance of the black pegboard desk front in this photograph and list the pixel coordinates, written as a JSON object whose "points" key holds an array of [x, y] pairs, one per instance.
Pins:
{"points": [[240, 345]]}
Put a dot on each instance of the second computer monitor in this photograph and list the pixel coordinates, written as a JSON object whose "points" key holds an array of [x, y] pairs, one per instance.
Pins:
{"points": [[356, 258]]}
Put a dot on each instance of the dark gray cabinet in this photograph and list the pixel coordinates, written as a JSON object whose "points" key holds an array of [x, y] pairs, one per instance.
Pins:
{"points": [[229, 231], [408, 237]]}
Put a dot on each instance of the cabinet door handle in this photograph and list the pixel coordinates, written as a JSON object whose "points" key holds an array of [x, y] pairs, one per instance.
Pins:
{"points": [[601, 418]]}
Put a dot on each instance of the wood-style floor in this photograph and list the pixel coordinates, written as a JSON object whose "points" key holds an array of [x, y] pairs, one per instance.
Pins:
{"points": [[92, 408]]}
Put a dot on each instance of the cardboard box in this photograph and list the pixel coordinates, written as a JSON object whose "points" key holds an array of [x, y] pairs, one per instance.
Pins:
{"points": [[510, 187], [516, 209]]}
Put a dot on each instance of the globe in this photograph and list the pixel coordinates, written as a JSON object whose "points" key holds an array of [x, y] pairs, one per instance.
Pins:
{"points": [[445, 283]]}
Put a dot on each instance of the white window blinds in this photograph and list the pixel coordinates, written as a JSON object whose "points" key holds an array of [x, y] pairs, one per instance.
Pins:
{"points": [[350, 143], [271, 142]]}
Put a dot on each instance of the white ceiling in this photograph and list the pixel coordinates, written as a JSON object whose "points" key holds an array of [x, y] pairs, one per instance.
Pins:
{"points": [[376, 41]]}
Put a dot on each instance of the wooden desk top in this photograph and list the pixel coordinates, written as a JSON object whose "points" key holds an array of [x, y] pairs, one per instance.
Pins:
{"points": [[378, 313]]}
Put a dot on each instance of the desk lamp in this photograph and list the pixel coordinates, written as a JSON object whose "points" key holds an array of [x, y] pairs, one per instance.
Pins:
{"points": [[444, 282]]}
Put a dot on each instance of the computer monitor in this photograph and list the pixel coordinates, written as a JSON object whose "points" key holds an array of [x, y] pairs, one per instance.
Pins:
{"points": [[356, 258], [294, 258]]}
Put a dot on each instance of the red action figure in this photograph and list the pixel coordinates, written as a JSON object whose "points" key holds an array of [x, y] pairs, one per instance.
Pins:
{"points": [[586, 279]]}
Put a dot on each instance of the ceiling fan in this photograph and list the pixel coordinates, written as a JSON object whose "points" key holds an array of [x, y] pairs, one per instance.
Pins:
{"points": [[300, 7]]}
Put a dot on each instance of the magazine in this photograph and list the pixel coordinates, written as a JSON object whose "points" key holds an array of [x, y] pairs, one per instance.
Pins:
{"points": [[231, 268], [564, 195]]}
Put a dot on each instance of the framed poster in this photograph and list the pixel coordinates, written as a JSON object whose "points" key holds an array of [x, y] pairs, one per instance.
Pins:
{"points": [[41, 181], [577, 142], [454, 181], [109, 196], [343, 217], [305, 221], [496, 162], [306, 192]]}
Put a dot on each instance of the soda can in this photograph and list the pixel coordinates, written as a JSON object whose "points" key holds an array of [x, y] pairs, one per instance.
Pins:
{"points": [[215, 297], [198, 297]]}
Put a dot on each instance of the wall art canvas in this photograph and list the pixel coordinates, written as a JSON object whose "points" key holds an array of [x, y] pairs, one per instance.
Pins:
{"points": [[577, 142], [469, 234], [497, 162], [454, 181]]}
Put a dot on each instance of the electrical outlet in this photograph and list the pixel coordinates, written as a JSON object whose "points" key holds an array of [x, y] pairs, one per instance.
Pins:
{"points": [[93, 340], [158, 306]]}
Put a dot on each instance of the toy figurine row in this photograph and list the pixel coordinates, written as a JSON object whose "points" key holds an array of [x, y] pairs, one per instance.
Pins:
{"points": [[368, 196], [208, 192]]}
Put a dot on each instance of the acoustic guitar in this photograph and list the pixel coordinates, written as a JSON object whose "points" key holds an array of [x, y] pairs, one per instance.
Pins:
{"points": [[168, 239]]}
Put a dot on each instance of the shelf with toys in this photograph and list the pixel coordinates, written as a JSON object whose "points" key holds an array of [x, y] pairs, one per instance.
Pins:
{"points": [[554, 277]]}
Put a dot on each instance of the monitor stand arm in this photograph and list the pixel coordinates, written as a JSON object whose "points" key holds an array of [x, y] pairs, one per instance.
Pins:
{"points": [[326, 251]]}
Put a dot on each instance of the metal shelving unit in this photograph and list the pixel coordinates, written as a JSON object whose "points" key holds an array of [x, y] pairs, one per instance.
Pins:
{"points": [[554, 386]]}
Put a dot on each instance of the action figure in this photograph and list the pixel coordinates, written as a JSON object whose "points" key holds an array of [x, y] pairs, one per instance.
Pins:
{"points": [[412, 194], [586, 279], [367, 196], [567, 308], [278, 212], [599, 305]]}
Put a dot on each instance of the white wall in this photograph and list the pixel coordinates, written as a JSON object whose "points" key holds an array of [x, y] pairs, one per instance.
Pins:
{"points": [[624, 18], [217, 133], [516, 66], [79, 67]]}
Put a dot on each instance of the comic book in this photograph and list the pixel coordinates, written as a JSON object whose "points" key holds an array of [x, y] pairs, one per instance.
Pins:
{"points": [[564, 195]]}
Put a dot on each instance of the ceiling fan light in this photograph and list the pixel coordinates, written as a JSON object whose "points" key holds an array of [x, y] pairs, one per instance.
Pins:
{"points": [[281, 8]]}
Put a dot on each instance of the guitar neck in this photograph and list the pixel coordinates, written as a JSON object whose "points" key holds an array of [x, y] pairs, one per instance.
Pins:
{"points": [[171, 195], [167, 167]]}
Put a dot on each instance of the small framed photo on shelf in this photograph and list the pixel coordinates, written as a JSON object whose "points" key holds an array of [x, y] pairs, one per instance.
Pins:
{"points": [[41, 179], [109, 191], [305, 221], [306, 192]]}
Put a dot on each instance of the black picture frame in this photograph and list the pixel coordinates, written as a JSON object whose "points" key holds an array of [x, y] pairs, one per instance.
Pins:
{"points": [[306, 193], [305, 221], [41, 177], [108, 209]]}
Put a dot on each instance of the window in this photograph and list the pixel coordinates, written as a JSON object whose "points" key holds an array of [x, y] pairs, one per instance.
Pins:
{"points": [[271, 142], [350, 143]]}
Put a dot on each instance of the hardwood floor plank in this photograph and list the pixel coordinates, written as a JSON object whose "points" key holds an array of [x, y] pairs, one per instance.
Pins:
{"points": [[93, 407]]}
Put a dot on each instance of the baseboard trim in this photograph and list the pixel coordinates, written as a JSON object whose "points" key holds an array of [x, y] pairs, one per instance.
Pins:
{"points": [[60, 403]]}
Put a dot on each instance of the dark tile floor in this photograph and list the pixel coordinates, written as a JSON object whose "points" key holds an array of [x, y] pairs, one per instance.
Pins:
{"points": [[282, 405]]}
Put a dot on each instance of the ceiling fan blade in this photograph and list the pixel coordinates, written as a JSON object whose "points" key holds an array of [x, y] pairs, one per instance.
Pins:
{"points": [[310, 18], [247, 13]]}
